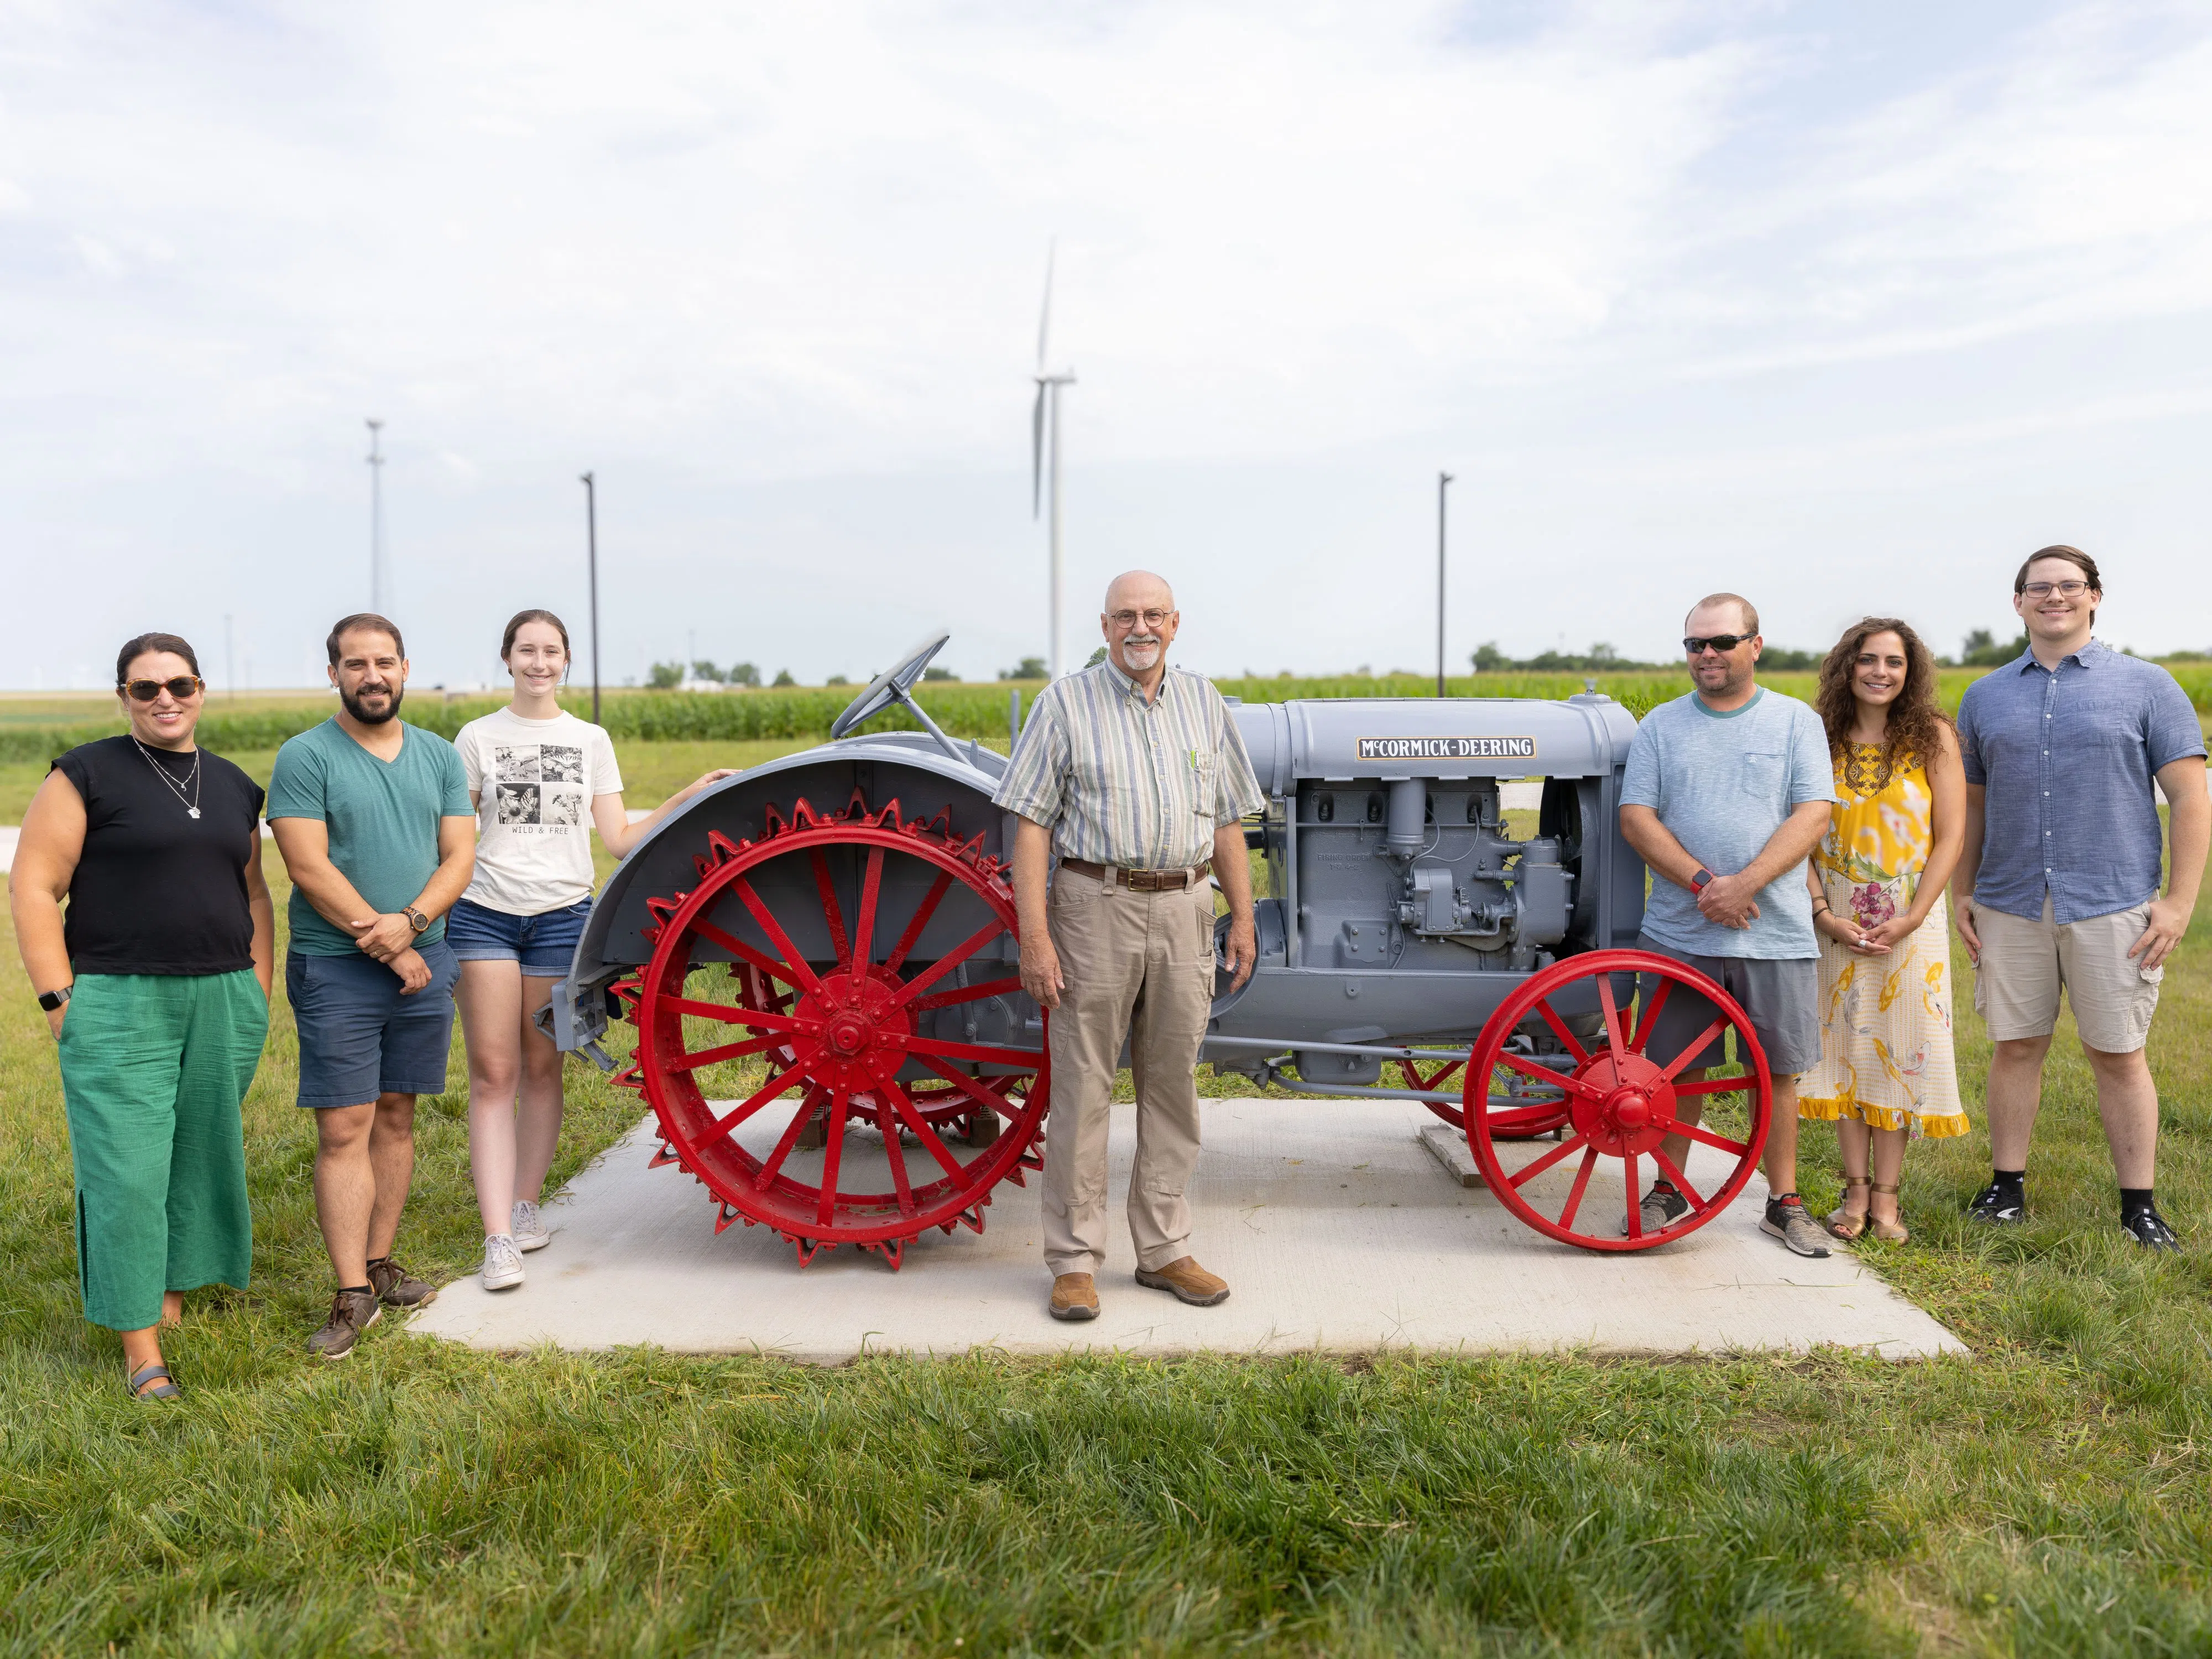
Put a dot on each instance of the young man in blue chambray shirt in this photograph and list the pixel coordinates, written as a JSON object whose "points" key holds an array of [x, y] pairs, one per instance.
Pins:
{"points": [[2058, 886]]}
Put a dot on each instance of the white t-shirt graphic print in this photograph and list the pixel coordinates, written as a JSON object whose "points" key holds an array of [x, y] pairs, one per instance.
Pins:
{"points": [[534, 781]]}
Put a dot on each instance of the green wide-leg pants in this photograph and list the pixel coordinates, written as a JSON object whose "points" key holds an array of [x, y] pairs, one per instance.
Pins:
{"points": [[153, 1069]]}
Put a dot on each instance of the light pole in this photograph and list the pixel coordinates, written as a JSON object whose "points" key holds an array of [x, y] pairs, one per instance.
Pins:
{"points": [[1443, 482], [591, 559], [376, 516]]}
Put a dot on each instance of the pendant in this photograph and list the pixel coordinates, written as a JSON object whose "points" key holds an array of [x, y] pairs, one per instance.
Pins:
{"points": [[194, 811]]}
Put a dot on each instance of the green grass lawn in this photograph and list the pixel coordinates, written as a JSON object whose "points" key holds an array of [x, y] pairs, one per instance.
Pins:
{"points": [[2051, 1494]]}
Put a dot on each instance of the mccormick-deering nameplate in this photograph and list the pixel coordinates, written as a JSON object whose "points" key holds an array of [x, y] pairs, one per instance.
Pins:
{"points": [[1448, 749]]}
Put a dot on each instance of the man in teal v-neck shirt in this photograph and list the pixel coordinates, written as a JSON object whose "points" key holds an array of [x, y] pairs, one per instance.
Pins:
{"points": [[373, 817]]}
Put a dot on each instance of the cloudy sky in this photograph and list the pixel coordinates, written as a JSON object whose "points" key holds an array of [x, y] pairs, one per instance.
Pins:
{"points": [[1846, 305]]}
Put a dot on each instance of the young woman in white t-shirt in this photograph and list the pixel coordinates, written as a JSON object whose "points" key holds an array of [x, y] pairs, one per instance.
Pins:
{"points": [[541, 780]]}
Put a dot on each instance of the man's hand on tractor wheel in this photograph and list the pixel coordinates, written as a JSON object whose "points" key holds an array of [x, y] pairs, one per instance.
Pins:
{"points": [[1041, 975]]}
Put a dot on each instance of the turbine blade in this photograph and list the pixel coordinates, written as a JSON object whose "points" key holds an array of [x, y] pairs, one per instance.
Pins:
{"points": [[1044, 317], [1036, 453]]}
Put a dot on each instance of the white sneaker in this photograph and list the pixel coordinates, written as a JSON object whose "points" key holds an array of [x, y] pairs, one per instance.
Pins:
{"points": [[502, 1267], [529, 1233]]}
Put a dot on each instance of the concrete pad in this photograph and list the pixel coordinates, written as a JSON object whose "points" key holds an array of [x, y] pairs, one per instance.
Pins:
{"points": [[1336, 1228]]}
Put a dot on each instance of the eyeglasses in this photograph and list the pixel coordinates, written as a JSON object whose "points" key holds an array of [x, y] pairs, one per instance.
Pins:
{"points": [[1696, 646], [2073, 590], [184, 685], [1127, 619]]}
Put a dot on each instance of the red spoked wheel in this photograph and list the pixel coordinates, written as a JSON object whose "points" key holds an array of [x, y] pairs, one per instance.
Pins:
{"points": [[1521, 1110], [1622, 1105], [833, 1146]]}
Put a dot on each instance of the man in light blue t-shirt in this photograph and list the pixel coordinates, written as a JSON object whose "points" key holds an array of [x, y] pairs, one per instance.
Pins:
{"points": [[1727, 793]]}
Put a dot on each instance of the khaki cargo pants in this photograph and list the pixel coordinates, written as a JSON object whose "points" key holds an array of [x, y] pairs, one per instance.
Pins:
{"points": [[1139, 965]]}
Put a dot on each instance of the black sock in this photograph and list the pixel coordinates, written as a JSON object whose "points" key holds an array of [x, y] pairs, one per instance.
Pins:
{"points": [[353, 1290], [2011, 1183], [376, 1262], [2134, 1201]]}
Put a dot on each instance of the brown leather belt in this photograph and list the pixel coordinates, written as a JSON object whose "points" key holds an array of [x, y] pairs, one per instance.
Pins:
{"points": [[1143, 881]]}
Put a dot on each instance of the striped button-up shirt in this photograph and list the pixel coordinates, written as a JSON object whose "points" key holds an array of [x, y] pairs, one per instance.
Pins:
{"points": [[1127, 783]]}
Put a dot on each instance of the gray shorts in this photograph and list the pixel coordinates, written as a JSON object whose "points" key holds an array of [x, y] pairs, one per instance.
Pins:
{"points": [[1782, 998]]}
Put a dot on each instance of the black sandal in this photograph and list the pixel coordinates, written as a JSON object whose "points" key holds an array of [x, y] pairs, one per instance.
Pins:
{"points": [[137, 1379]]}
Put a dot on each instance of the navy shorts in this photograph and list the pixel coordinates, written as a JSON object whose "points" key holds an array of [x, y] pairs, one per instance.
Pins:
{"points": [[359, 1038], [544, 944]]}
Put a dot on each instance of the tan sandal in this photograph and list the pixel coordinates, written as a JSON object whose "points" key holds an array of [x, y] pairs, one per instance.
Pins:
{"points": [[1889, 1232], [1842, 1223]]}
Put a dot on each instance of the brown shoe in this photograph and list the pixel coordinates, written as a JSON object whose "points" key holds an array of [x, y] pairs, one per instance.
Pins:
{"points": [[1075, 1297], [397, 1288], [352, 1312], [1187, 1281]]}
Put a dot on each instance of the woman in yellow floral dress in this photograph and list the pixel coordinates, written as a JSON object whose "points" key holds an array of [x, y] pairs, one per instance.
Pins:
{"points": [[1888, 1070]]}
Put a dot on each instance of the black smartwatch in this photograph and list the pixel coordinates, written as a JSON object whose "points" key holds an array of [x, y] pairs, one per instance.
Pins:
{"points": [[51, 1000], [1702, 879], [415, 919]]}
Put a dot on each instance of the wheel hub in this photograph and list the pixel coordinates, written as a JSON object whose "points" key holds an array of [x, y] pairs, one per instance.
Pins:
{"points": [[1636, 1111], [860, 1029]]}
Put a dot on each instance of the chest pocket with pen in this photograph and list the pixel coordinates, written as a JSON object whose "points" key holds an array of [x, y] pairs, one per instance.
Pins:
{"points": [[1201, 764]]}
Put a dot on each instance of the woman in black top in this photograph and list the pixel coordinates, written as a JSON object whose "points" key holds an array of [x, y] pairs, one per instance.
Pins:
{"points": [[156, 982]]}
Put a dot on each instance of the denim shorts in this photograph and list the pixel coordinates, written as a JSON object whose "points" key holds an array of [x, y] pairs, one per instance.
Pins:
{"points": [[359, 1037], [544, 944]]}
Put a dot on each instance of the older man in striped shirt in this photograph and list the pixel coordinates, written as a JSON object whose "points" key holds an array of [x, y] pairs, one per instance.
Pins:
{"points": [[1133, 774]]}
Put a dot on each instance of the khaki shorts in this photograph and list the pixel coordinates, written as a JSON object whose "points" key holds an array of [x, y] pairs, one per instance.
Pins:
{"points": [[2026, 965]]}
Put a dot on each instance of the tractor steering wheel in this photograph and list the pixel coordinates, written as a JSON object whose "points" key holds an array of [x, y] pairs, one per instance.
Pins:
{"points": [[892, 684]]}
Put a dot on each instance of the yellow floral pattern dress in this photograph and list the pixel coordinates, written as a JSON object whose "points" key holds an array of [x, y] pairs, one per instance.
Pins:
{"points": [[1887, 1057]]}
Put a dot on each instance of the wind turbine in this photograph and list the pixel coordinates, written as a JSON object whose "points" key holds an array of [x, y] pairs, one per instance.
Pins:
{"points": [[1047, 414]]}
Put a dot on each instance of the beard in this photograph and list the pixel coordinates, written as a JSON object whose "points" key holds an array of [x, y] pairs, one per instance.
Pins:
{"points": [[372, 716], [1141, 654]]}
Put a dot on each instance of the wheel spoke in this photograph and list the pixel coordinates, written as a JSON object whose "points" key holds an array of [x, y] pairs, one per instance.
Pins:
{"points": [[1573, 1085], [830, 913], [744, 952], [1581, 1185], [1560, 1031], [1713, 1086], [777, 937], [760, 1098], [895, 1153], [945, 964], [922, 1133], [1698, 1132], [1682, 1062], [832, 1158], [863, 927], [989, 987], [1614, 1038], [1681, 1181], [982, 1054], [923, 912], [729, 1014], [1528, 1172], [1635, 1197], [789, 1139], [1650, 1020], [692, 1062], [974, 1088]]}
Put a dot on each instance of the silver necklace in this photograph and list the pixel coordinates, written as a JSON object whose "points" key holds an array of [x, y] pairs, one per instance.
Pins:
{"points": [[192, 801]]}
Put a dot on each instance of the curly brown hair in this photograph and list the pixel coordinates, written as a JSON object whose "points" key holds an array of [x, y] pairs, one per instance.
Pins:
{"points": [[1916, 719]]}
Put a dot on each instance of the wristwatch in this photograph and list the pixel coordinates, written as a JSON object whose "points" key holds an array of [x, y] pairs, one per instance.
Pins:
{"points": [[1699, 882], [415, 919], [51, 1000]]}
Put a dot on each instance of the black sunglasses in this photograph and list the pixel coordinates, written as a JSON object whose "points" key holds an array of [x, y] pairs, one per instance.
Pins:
{"points": [[180, 688], [1718, 642]]}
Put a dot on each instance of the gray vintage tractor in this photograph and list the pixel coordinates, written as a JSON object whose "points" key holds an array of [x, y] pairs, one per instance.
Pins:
{"points": [[1446, 895]]}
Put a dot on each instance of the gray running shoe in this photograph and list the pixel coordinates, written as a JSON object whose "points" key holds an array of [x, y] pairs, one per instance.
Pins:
{"points": [[1663, 1206], [352, 1312], [396, 1287], [1786, 1218], [526, 1230], [502, 1264]]}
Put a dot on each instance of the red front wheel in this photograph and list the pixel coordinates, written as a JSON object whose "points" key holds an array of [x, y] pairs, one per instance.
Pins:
{"points": [[1623, 1104]]}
